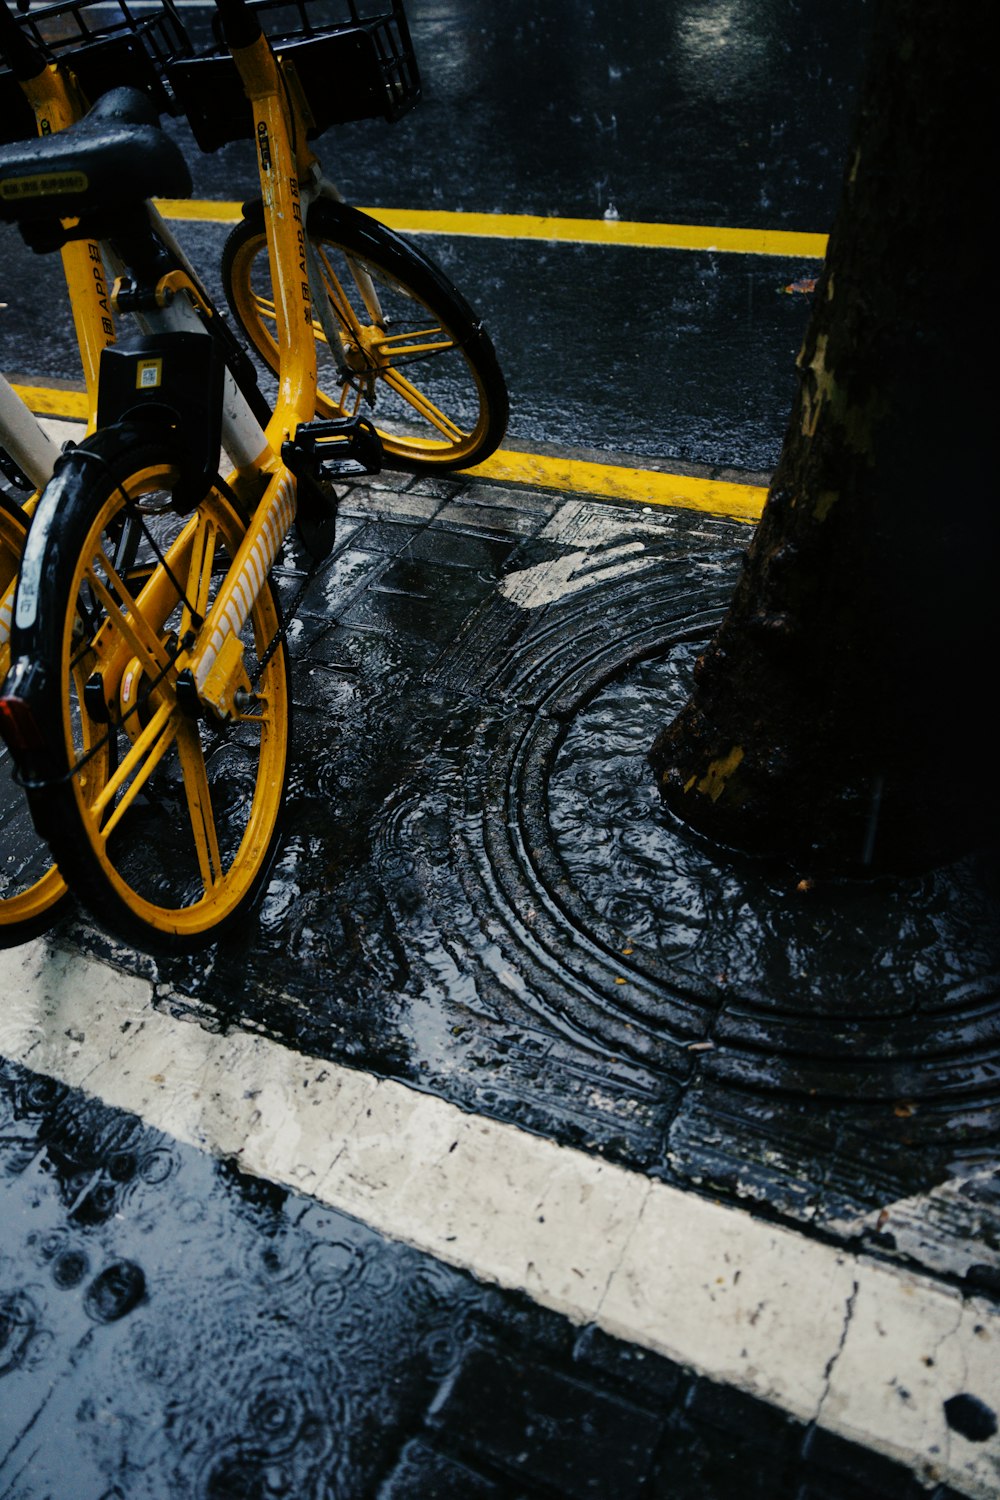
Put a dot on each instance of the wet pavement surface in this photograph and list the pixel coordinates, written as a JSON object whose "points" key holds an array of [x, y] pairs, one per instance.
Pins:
{"points": [[480, 894], [683, 112], [479, 897], [174, 1328]]}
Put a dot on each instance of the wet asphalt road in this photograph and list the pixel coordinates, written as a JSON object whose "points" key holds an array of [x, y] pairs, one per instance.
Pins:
{"points": [[172, 1325], [730, 115], [673, 111]]}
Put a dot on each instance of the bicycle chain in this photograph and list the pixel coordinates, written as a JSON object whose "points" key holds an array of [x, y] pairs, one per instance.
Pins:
{"points": [[281, 633]]}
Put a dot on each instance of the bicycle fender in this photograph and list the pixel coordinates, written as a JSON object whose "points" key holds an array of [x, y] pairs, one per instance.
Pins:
{"points": [[44, 525]]}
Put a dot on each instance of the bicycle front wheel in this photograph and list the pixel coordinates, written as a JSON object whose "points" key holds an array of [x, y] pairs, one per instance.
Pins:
{"points": [[32, 892], [394, 339], [173, 841]]}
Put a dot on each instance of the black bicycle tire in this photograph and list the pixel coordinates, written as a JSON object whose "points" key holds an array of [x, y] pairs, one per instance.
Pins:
{"points": [[366, 238], [121, 450]]}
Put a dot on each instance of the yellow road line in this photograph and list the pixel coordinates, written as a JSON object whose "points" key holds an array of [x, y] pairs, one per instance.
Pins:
{"points": [[46, 401], [738, 502], [783, 242]]}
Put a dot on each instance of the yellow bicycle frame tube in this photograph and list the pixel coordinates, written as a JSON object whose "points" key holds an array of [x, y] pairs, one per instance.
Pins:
{"points": [[278, 122], [57, 102]]}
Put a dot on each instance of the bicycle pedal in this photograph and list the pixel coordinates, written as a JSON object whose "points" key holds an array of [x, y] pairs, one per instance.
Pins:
{"points": [[335, 449]]}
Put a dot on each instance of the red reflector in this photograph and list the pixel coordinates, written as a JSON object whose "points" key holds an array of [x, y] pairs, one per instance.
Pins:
{"points": [[18, 726]]}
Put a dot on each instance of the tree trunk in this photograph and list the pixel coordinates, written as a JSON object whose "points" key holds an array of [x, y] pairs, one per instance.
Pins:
{"points": [[841, 715]]}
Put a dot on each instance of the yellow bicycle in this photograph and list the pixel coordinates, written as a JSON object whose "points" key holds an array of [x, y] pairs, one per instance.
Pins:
{"points": [[148, 702], [41, 93]]}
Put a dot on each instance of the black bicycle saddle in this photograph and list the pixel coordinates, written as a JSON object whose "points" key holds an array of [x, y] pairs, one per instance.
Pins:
{"points": [[112, 159]]}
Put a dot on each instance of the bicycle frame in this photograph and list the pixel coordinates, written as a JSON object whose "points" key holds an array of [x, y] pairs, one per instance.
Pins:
{"points": [[289, 180], [278, 120], [152, 675], [25, 439], [56, 102]]}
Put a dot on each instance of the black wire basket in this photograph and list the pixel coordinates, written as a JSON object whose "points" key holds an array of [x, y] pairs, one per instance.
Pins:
{"points": [[104, 44], [353, 58]]}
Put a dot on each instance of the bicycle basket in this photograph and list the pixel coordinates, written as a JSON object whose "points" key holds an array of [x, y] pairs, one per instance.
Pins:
{"points": [[104, 45], [356, 64]]}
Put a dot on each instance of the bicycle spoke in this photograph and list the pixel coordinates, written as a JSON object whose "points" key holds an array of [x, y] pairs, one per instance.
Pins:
{"points": [[145, 755], [422, 405], [266, 308], [339, 299], [132, 627], [199, 579], [405, 345], [350, 407]]}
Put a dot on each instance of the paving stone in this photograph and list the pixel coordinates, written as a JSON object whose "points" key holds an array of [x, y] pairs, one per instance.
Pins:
{"points": [[426, 622], [385, 479], [453, 548], [385, 535], [538, 1423], [447, 486], [856, 1471], [380, 503], [480, 510], [699, 1465], [598, 1356], [758, 1425], [529, 501], [425, 1474]]}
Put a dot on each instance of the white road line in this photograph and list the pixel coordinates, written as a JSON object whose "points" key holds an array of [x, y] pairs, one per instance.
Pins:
{"points": [[867, 1350]]}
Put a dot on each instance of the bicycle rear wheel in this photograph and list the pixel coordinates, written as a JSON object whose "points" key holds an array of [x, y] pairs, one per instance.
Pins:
{"points": [[172, 843], [395, 338], [32, 892]]}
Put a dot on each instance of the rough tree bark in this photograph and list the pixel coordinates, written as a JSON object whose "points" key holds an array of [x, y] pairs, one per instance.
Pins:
{"points": [[841, 715]]}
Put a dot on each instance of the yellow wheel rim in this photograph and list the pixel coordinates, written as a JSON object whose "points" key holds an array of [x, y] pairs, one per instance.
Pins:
{"points": [[181, 826], [410, 378]]}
